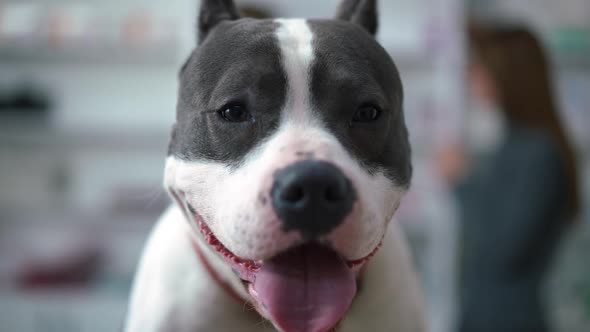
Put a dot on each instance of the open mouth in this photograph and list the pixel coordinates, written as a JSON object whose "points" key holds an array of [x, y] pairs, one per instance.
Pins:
{"points": [[251, 265], [212, 241], [308, 288], [305, 289]]}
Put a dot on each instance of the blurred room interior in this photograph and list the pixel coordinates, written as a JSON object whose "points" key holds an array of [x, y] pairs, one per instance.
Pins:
{"points": [[87, 99]]}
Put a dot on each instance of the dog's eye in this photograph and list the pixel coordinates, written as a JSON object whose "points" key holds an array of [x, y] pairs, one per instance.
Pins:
{"points": [[366, 114], [235, 113]]}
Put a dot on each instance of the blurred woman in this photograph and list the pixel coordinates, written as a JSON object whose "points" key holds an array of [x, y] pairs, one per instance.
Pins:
{"points": [[517, 203]]}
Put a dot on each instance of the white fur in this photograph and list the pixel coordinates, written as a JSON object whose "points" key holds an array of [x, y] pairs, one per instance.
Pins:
{"points": [[174, 292], [230, 200], [296, 42]]}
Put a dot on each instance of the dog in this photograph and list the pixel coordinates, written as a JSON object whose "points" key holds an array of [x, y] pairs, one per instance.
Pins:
{"points": [[288, 159]]}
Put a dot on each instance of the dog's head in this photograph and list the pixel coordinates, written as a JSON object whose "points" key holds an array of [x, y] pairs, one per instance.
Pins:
{"points": [[290, 155]]}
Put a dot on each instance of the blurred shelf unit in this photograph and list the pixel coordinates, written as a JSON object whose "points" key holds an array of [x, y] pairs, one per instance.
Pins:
{"points": [[570, 46], [85, 32], [161, 53], [33, 133], [62, 310], [572, 61]]}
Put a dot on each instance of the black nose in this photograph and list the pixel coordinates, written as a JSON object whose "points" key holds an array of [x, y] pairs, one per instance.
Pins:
{"points": [[312, 197]]}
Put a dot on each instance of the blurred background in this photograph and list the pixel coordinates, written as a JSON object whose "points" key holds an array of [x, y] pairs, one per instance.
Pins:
{"points": [[87, 99]]}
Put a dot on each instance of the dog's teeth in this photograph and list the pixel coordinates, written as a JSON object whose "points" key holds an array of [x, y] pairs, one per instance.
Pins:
{"points": [[251, 266]]}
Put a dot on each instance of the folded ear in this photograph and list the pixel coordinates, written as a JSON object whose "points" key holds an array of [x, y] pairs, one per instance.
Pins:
{"points": [[214, 12], [361, 12]]}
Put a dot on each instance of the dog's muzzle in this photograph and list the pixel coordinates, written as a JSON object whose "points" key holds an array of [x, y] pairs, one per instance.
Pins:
{"points": [[309, 286]]}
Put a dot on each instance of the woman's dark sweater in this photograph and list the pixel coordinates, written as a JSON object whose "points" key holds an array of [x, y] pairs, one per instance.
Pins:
{"points": [[513, 211]]}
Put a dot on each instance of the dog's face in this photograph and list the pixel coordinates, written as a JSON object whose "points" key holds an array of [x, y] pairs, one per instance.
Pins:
{"points": [[290, 155]]}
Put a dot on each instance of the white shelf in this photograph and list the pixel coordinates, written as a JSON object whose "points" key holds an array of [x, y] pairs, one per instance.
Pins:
{"points": [[56, 311], [40, 134], [162, 53]]}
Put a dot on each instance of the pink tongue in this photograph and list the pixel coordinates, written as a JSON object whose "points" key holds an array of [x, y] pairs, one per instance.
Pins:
{"points": [[308, 289]]}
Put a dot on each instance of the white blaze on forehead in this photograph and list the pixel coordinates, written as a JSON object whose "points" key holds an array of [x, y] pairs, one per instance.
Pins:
{"points": [[296, 43]]}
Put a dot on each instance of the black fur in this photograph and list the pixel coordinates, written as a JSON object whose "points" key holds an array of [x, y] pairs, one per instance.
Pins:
{"points": [[214, 12], [239, 61], [361, 12], [352, 70]]}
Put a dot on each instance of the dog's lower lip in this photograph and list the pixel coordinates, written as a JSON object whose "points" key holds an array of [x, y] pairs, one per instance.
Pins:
{"points": [[212, 240], [251, 265]]}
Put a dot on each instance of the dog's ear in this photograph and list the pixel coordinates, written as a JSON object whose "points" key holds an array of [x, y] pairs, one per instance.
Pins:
{"points": [[361, 12], [214, 12]]}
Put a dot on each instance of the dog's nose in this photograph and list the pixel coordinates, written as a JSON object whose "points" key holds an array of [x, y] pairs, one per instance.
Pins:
{"points": [[312, 197]]}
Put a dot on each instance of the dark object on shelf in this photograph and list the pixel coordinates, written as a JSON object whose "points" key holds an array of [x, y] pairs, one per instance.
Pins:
{"points": [[25, 101], [76, 268]]}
